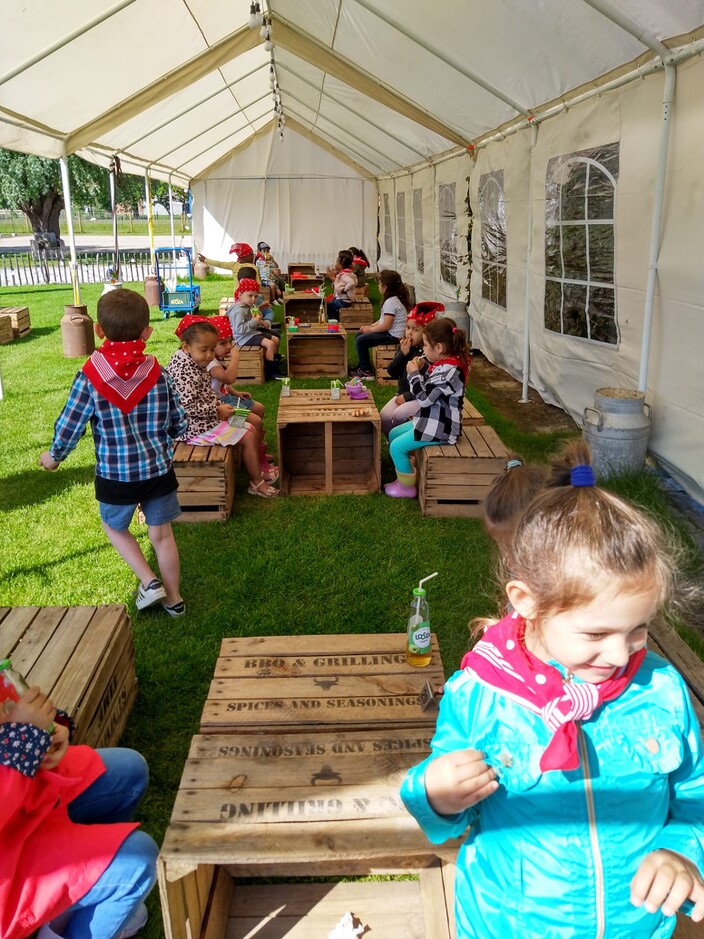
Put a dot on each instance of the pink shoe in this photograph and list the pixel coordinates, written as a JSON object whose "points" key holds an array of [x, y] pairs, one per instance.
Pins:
{"points": [[398, 491]]}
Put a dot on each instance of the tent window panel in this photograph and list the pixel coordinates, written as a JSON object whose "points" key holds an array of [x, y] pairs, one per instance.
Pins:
{"points": [[388, 237], [492, 214], [418, 229], [448, 233], [401, 225], [580, 270]]}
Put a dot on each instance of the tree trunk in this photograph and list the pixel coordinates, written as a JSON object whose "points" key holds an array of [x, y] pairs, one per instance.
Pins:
{"points": [[44, 213]]}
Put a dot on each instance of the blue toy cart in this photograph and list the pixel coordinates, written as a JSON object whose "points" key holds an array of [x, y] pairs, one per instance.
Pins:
{"points": [[177, 292]]}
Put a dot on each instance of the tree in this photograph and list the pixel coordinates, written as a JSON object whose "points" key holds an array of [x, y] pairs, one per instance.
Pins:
{"points": [[33, 185], [160, 193]]}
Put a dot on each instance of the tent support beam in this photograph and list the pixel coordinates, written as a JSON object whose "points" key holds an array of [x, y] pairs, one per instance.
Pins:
{"points": [[68, 208], [318, 55], [529, 251], [220, 54]]}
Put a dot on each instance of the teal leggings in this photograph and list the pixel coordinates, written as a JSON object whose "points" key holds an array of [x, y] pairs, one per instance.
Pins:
{"points": [[402, 444]]}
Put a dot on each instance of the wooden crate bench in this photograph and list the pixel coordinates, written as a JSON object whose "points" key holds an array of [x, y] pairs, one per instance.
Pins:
{"points": [[6, 333], [470, 415], [224, 305], [19, 318], [359, 313], [307, 800], [315, 352], [206, 482], [383, 356], [83, 657], [328, 447], [454, 479]]}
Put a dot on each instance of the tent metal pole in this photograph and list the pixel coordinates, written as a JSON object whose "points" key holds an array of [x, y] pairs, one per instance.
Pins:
{"points": [[66, 185], [150, 218], [529, 251], [112, 171], [171, 219], [656, 225]]}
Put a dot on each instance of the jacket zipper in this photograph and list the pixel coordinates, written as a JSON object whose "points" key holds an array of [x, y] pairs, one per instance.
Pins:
{"points": [[593, 837]]}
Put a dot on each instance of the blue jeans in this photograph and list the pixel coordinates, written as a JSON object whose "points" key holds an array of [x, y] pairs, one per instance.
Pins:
{"points": [[334, 306], [402, 443], [363, 342], [131, 874]]}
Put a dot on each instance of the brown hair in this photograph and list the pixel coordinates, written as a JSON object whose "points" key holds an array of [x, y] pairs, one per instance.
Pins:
{"points": [[123, 314], [444, 331], [508, 497], [246, 272], [191, 332], [393, 286], [571, 537], [344, 259]]}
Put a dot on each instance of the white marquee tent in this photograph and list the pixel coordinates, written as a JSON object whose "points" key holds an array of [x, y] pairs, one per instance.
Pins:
{"points": [[542, 154]]}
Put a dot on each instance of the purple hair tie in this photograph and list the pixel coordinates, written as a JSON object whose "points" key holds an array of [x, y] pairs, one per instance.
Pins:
{"points": [[582, 475]]}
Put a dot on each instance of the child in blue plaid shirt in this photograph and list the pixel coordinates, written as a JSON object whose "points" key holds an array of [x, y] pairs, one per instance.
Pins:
{"points": [[135, 416]]}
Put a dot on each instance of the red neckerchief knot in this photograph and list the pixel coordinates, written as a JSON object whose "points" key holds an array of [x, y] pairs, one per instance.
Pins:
{"points": [[501, 660], [121, 373]]}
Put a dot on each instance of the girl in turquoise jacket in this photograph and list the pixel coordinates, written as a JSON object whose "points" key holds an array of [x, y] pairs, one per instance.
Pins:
{"points": [[567, 756]]}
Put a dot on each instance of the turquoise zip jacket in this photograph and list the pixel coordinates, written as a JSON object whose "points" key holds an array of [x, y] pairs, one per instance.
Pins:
{"points": [[552, 854]]}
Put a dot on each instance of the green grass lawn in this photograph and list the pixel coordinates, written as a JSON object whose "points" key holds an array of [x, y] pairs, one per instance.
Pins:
{"points": [[282, 567]]}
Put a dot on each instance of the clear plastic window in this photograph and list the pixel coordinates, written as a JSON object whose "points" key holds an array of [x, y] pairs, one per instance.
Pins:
{"points": [[401, 225], [388, 237], [580, 273], [448, 233], [418, 229], [492, 213]]}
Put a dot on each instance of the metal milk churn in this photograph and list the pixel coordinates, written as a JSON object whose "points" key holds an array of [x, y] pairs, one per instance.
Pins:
{"points": [[617, 430], [77, 332]]}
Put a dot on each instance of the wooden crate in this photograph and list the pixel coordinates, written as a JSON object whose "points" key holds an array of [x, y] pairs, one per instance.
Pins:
{"points": [[361, 292], [471, 417], [19, 317], [206, 482], [83, 657], [301, 267], [315, 353], [306, 280], [359, 313], [306, 306], [250, 370], [454, 479], [6, 333], [327, 447], [315, 683], [224, 305], [383, 356]]}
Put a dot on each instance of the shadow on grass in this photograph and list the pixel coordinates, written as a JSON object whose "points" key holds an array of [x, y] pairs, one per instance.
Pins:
{"points": [[33, 487], [43, 568]]}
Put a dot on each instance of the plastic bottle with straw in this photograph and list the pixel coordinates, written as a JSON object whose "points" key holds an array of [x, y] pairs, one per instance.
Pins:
{"points": [[418, 637]]}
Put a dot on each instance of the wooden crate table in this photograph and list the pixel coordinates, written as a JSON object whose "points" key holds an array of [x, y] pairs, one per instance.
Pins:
{"points": [[301, 267], [359, 313], [313, 352], [19, 318], [306, 306], [328, 447], [306, 801], [83, 657], [304, 280], [454, 479], [206, 482]]}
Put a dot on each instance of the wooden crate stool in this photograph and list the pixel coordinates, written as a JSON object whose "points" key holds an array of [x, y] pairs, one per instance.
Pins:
{"points": [[6, 333], [19, 317], [454, 479], [206, 482], [383, 356], [358, 313], [224, 305], [250, 371], [83, 657]]}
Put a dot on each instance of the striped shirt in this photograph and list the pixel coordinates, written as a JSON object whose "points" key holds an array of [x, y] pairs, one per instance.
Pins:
{"points": [[128, 447]]}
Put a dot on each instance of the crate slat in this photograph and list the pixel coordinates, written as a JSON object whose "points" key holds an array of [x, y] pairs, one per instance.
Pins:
{"points": [[206, 479]]}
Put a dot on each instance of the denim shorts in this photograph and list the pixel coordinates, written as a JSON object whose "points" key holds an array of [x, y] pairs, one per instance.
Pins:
{"points": [[157, 511], [246, 403]]}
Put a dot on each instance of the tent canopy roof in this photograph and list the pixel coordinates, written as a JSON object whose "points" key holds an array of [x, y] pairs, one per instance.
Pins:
{"points": [[177, 85]]}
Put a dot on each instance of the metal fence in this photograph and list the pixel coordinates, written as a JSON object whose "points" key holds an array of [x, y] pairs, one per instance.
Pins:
{"points": [[19, 269]]}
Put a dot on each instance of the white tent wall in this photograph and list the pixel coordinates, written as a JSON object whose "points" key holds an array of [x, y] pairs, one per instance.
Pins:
{"points": [[566, 370], [301, 199]]}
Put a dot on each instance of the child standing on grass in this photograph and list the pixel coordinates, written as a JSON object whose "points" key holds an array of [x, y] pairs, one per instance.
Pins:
{"points": [[389, 329], [135, 416], [572, 752], [71, 858], [439, 390], [245, 326], [207, 417], [403, 405]]}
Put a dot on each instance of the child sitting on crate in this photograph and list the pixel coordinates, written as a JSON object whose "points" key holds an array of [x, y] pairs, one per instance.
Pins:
{"points": [[439, 389], [344, 285], [245, 259], [223, 372], [135, 416], [269, 271], [403, 406], [246, 331], [208, 419], [389, 329], [71, 860]]}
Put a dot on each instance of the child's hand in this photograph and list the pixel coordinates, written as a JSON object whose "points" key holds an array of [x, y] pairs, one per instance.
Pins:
{"points": [[58, 748], [664, 881], [33, 707], [400, 400], [412, 367], [245, 395], [457, 780], [265, 323], [46, 462], [405, 345], [257, 316], [225, 411]]}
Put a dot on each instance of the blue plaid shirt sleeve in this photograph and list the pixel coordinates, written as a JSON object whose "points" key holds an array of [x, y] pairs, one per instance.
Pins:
{"points": [[71, 423], [178, 420]]}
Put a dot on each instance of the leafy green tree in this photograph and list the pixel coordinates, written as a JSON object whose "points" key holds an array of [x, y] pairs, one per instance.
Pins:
{"points": [[33, 185], [160, 193]]}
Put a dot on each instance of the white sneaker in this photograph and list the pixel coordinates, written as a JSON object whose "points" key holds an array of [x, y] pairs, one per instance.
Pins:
{"points": [[136, 922], [151, 594]]}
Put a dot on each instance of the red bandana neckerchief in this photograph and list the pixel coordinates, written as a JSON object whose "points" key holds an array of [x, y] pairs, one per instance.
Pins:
{"points": [[121, 373], [452, 360], [501, 660]]}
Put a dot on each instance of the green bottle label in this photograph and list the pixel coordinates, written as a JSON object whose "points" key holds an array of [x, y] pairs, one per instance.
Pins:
{"points": [[420, 639]]}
